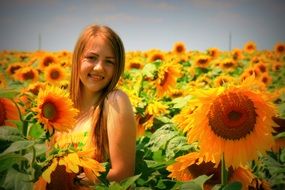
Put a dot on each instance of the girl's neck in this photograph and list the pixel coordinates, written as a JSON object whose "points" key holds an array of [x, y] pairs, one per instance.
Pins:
{"points": [[88, 100]]}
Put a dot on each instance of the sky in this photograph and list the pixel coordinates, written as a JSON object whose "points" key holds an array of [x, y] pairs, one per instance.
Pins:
{"points": [[55, 25]]}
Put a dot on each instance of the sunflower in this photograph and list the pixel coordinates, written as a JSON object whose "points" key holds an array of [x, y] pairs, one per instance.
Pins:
{"points": [[228, 64], [12, 68], [237, 54], [55, 109], [202, 61], [72, 152], [8, 111], [154, 109], [227, 118], [279, 48], [54, 73], [167, 76], [248, 179], [26, 74], [265, 78], [155, 55], [179, 48], [223, 80], [47, 60], [250, 47], [261, 67], [193, 165], [213, 52]]}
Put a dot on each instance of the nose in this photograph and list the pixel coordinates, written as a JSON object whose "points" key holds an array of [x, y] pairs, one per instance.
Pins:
{"points": [[98, 65]]}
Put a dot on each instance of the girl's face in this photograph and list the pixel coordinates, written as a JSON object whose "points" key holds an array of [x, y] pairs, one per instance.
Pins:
{"points": [[97, 65]]}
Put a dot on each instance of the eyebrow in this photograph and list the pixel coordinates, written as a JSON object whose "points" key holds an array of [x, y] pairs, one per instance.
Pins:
{"points": [[93, 53]]}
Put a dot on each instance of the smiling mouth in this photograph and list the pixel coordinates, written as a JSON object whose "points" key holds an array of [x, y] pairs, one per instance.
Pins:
{"points": [[95, 77]]}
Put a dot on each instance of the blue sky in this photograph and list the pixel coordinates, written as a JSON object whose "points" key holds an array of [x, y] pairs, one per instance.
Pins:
{"points": [[143, 24]]}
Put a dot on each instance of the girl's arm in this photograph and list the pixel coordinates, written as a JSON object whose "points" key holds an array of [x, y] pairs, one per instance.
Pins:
{"points": [[121, 129]]}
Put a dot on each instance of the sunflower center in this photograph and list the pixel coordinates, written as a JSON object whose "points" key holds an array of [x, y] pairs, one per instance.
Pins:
{"points": [[202, 61], [232, 116], [228, 64], [179, 49], [48, 60], [14, 69], [49, 110], [29, 75], [2, 114], [54, 74]]}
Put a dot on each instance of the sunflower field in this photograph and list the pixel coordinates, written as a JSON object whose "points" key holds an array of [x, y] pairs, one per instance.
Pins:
{"points": [[208, 119]]}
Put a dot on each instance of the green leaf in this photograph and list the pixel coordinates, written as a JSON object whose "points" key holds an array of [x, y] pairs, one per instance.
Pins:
{"points": [[197, 183], [233, 186], [129, 181], [36, 130], [8, 93], [8, 160], [17, 180], [10, 134], [17, 146], [149, 70], [181, 101]]}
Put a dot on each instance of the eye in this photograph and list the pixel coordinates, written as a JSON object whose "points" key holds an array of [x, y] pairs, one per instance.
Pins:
{"points": [[91, 57], [110, 62]]}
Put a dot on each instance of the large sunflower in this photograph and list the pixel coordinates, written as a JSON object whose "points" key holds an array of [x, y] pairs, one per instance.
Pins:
{"points": [[193, 165], [55, 109], [70, 153], [8, 111], [230, 121]]}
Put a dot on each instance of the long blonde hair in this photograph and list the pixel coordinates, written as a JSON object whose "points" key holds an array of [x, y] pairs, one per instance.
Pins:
{"points": [[99, 134]]}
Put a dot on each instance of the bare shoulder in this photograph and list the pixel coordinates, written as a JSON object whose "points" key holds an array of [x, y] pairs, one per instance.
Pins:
{"points": [[118, 100]]}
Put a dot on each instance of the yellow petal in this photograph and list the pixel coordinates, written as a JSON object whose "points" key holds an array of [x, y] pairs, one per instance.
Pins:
{"points": [[46, 174]]}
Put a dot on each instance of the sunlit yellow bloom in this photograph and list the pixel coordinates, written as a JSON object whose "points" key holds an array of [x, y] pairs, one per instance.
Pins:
{"points": [[261, 67], [167, 75], [55, 109], [26, 74], [46, 174], [250, 47], [265, 78], [12, 68], [179, 48], [223, 80], [202, 61], [228, 64], [154, 109], [279, 48], [75, 153], [227, 118], [8, 111], [182, 119], [155, 55], [213, 52], [248, 179], [46, 61], [54, 73], [237, 54], [276, 66], [193, 165]]}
